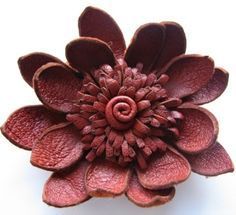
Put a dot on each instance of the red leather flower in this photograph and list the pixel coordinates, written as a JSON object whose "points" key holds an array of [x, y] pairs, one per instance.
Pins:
{"points": [[120, 121]]}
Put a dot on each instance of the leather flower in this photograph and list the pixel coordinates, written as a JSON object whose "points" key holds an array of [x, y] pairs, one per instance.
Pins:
{"points": [[119, 120]]}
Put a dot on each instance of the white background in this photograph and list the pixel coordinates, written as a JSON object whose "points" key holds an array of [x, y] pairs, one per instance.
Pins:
{"points": [[44, 25]]}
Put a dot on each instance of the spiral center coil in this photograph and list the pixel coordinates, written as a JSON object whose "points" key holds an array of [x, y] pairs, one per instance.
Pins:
{"points": [[120, 112]]}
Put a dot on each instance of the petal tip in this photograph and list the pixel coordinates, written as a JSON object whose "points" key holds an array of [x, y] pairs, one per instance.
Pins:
{"points": [[143, 197], [7, 136], [79, 52], [66, 188], [28, 64], [211, 162], [58, 148], [96, 23], [106, 179], [205, 124], [160, 174]]}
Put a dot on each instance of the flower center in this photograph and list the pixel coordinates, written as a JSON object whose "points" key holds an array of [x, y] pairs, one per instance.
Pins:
{"points": [[124, 115], [120, 112]]}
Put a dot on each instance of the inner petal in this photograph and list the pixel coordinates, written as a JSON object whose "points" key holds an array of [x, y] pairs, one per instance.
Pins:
{"points": [[125, 115]]}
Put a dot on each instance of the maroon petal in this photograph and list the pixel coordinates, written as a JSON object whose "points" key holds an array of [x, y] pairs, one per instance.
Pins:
{"points": [[213, 161], [105, 178], [24, 127], [164, 170], [96, 23], [188, 74], [58, 148], [146, 46], [147, 198], [29, 64], [67, 188], [86, 54], [174, 45], [57, 87], [214, 88], [198, 129]]}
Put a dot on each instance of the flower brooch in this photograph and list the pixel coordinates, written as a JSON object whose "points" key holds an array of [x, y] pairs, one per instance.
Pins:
{"points": [[117, 120]]}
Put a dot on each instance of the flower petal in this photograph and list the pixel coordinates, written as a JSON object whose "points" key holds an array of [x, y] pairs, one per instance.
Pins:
{"points": [[198, 129], [105, 178], [24, 127], [147, 198], [58, 148], [67, 188], [188, 74], [86, 54], [213, 161], [146, 46], [29, 64], [164, 170], [57, 87], [212, 90], [96, 23], [174, 45]]}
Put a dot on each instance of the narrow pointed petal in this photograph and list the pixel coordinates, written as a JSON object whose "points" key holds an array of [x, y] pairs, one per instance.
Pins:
{"points": [[29, 64], [212, 90], [198, 129], [164, 170], [146, 46], [96, 23], [147, 198], [188, 74], [174, 45], [105, 178], [86, 54], [67, 188], [24, 127], [58, 148], [213, 161], [57, 87]]}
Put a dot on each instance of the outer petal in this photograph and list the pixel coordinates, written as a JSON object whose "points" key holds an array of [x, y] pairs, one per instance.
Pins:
{"points": [[24, 127], [67, 188], [188, 74], [29, 64], [164, 170], [213, 161], [96, 23], [146, 46], [86, 54], [198, 129], [174, 45], [105, 178], [58, 148], [214, 88], [57, 87], [147, 198]]}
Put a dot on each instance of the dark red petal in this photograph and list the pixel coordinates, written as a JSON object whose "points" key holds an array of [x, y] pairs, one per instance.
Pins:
{"points": [[29, 64], [67, 188], [57, 87], [146, 46], [188, 74], [96, 23], [105, 178], [24, 127], [58, 148], [174, 45], [198, 129], [164, 170], [147, 198], [214, 88], [86, 54], [213, 161]]}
